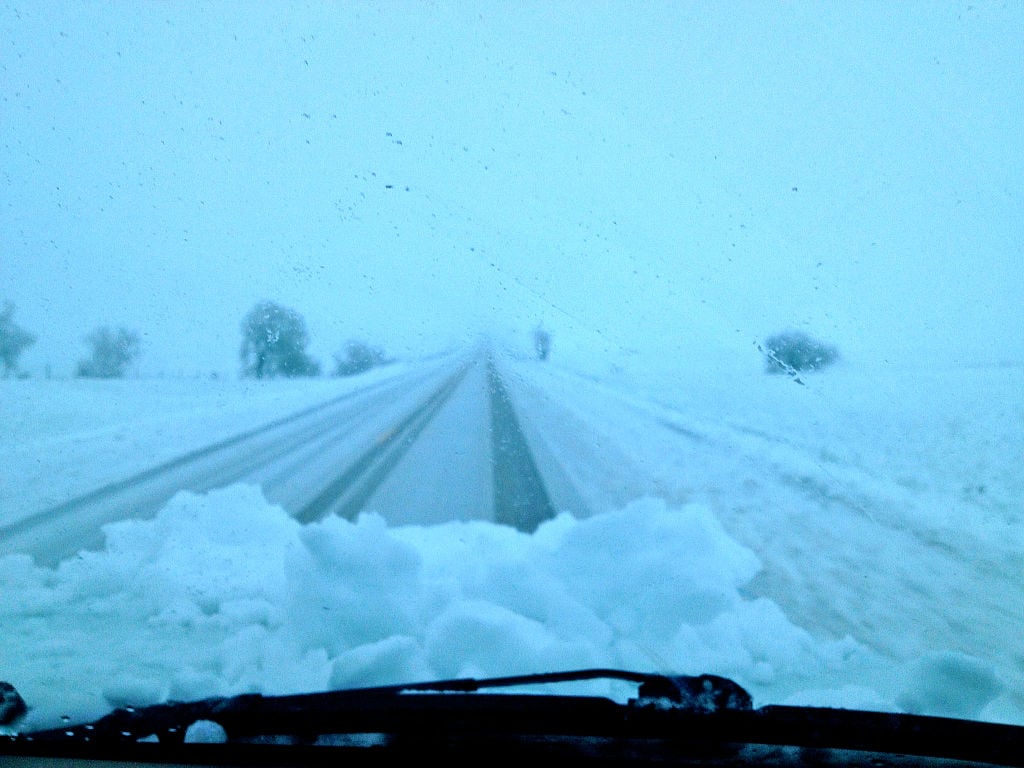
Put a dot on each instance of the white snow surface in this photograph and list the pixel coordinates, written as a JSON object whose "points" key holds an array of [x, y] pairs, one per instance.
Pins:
{"points": [[834, 544], [62, 438]]}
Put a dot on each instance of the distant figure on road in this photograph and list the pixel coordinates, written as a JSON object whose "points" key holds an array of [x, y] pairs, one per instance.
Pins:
{"points": [[542, 342]]}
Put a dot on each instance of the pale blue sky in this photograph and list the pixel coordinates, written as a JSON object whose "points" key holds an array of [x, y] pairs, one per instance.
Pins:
{"points": [[670, 176]]}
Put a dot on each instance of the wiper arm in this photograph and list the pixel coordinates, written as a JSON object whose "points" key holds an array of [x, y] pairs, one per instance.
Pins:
{"points": [[338, 711], [701, 693], [677, 715]]}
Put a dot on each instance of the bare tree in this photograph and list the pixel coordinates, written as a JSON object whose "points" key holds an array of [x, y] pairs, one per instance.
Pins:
{"points": [[357, 357], [541, 342]]}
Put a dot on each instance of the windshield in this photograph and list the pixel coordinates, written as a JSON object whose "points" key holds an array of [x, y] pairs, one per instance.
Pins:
{"points": [[352, 344]]}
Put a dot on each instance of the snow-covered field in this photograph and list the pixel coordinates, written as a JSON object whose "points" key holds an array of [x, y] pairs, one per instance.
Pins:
{"points": [[857, 541], [64, 438]]}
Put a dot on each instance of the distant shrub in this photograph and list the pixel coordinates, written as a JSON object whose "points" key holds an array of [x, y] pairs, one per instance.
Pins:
{"points": [[796, 351], [112, 352], [357, 357]]}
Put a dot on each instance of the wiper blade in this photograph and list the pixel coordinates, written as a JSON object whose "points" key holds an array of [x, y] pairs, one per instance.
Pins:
{"points": [[703, 693], [677, 715], [338, 711]]}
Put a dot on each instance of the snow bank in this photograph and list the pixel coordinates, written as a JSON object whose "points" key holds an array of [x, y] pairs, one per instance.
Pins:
{"points": [[225, 593]]}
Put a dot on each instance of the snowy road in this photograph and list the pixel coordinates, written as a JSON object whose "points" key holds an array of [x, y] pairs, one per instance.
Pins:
{"points": [[369, 449]]}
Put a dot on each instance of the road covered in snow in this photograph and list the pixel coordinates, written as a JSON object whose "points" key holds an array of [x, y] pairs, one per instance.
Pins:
{"points": [[433, 444], [857, 540]]}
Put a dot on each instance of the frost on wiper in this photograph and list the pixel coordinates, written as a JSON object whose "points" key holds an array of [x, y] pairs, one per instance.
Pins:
{"points": [[700, 718]]}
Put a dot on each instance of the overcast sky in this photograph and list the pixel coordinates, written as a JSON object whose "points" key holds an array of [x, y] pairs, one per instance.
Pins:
{"points": [[657, 176]]}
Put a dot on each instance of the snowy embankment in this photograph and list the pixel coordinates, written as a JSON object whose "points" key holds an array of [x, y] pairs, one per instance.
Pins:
{"points": [[225, 593], [887, 505]]}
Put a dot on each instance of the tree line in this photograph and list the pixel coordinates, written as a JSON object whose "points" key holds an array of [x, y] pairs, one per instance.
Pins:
{"points": [[13, 340], [274, 341]]}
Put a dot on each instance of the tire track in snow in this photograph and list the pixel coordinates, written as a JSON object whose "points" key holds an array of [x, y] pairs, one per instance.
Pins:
{"points": [[520, 498], [62, 530], [346, 494]]}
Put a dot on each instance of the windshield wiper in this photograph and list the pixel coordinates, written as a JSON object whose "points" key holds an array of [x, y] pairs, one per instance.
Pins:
{"points": [[248, 715], [700, 717]]}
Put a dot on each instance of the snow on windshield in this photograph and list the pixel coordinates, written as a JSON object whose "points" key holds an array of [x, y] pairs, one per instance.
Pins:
{"points": [[352, 344]]}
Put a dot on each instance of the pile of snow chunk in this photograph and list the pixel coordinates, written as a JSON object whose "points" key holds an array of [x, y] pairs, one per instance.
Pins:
{"points": [[225, 593]]}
